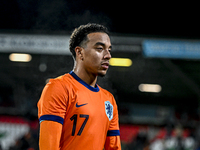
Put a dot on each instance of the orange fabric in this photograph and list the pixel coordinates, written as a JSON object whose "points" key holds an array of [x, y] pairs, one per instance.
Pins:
{"points": [[86, 122], [113, 143], [50, 133]]}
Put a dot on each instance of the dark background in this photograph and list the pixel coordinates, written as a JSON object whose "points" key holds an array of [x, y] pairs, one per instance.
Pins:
{"points": [[131, 17]]}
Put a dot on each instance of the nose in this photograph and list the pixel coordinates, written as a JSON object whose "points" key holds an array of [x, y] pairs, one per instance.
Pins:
{"points": [[107, 55]]}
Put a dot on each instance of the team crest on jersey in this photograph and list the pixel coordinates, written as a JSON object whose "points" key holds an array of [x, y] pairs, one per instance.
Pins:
{"points": [[109, 110]]}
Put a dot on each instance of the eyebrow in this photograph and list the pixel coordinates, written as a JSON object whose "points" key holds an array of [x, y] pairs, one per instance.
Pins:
{"points": [[102, 44]]}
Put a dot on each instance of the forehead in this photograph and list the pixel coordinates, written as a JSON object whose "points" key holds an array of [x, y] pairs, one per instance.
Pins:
{"points": [[95, 37]]}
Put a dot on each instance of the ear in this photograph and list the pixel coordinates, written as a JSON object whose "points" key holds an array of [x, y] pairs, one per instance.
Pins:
{"points": [[79, 52]]}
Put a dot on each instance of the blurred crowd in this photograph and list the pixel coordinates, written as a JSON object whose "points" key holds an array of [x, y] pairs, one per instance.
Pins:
{"points": [[18, 133], [148, 137], [28, 142], [173, 139]]}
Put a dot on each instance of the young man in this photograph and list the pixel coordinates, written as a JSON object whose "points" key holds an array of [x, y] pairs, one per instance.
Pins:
{"points": [[74, 112]]}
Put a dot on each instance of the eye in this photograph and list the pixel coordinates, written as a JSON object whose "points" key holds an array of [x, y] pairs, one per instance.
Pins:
{"points": [[99, 48]]}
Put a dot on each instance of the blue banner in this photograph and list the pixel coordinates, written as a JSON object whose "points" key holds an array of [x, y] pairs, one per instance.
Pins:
{"points": [[171, 49]]}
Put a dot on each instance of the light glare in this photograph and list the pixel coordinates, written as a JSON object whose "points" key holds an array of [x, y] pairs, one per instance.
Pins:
{"points": [[154, 88], [122, 62], [16, 57]]}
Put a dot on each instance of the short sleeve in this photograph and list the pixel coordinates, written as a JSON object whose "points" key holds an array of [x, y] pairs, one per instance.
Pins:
{"points": [[53, 102], [114, 125], [113, 135]]}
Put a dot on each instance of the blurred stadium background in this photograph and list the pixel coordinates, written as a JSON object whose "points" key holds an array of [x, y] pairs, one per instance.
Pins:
{"points": [[156, 81]]}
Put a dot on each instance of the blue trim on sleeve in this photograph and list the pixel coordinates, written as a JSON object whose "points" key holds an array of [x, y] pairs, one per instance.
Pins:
{"points": [[94, 89], [113, 133], [51, 118]]}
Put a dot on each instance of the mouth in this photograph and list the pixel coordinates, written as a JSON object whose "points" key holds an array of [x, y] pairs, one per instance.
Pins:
{"points": [[105, 65]]}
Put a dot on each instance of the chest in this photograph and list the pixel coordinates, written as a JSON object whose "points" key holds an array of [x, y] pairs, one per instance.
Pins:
{"points": [[89, 103], [94, 104], [87, 112]]}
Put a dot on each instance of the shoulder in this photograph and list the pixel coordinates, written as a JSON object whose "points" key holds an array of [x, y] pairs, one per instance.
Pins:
{"points": [[106, 92], [58, 85], [109, 96], [54, 98], [54, 84], [63, 80], [55, 90]]}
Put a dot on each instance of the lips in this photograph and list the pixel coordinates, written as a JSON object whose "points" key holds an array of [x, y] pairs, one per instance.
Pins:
{"points": [[105, 65]]}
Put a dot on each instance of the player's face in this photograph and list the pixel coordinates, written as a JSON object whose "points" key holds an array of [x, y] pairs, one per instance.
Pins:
{"points": [[97, 53]]}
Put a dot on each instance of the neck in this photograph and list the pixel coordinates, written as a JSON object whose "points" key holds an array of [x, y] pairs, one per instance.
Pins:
{"points": [[87, 77]]}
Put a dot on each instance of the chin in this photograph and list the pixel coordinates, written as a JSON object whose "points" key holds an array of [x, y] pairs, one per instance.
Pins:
{"points": [[102, 73]]}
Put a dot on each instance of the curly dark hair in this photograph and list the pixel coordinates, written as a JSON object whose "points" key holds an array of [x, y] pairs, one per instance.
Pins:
{"points": [[79, 35]]}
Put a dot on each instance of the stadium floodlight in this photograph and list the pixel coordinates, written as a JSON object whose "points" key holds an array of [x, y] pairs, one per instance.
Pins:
{"points": [[154, 88], [19, 57], [122, 62]]}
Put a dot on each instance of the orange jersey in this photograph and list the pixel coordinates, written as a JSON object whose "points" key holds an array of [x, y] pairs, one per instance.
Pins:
{"points": [[89, 115]]}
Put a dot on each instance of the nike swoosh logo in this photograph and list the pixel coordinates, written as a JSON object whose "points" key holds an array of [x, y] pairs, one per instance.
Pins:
{"points": [[80, 105]]}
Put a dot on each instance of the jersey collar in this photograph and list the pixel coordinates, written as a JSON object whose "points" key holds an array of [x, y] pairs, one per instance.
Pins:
{"points": [[94, 89]]}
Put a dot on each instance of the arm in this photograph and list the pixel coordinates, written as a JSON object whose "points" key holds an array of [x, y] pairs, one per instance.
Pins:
{"points": [[113, 135], [50, 133], [113, 143], [51, 111]]}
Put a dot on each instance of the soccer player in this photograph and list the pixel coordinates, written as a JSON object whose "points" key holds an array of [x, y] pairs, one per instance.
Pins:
{"points": [[74, 112]]}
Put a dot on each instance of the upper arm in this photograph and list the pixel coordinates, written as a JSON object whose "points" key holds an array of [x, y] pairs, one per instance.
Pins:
{"points": [[51, 112], [113, 135], [53, 102], [114, 123]]}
